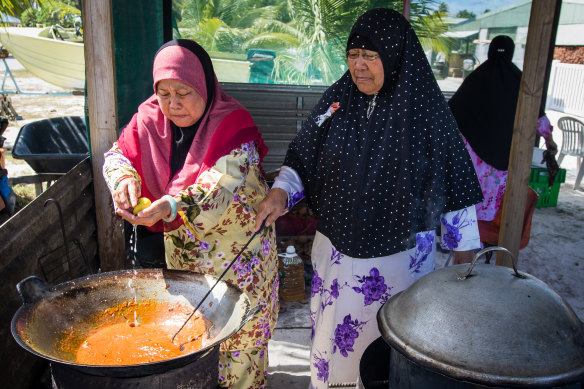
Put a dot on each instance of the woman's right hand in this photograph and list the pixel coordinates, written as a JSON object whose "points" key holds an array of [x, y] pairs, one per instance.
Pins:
{"points": [[272, 207], [127, 193]]}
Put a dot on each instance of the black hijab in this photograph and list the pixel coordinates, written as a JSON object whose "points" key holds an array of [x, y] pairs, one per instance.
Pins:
{"points": [[376, 182], [182, 137], [484, 105]]}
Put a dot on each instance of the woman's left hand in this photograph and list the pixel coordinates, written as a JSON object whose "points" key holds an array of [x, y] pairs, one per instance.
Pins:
{"points": [[550, 145], [148, 216]]}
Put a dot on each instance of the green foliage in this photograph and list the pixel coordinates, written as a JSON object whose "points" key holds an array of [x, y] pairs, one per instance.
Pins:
{"points": [[443, 8], [309, 36], [29, 17], [17, 7], [64, 13], [465, 14]]}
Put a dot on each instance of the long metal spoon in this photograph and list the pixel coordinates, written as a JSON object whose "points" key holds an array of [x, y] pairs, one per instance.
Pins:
{"points": [[219, 279]]}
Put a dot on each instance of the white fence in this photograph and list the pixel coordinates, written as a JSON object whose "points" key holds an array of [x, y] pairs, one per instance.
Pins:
{"points": [[566, 89]]}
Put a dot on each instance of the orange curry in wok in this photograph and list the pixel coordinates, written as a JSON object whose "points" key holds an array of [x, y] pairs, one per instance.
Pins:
{"points": [[133, 333]]}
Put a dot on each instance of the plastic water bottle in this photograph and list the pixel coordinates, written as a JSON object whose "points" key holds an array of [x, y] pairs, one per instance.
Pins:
{"points": [[291, 270]]}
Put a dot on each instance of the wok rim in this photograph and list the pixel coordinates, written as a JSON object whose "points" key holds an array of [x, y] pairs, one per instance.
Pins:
{"points": [[134, 370]]}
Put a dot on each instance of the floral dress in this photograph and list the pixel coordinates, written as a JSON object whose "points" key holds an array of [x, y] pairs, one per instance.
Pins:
{"points": [[347, 292], [218, 211], [493, 181]]}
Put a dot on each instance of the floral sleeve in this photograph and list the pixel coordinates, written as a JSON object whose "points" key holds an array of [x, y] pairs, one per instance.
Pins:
{"points": [[203, 203], [116, 166], [544, 127], [460, 231]]}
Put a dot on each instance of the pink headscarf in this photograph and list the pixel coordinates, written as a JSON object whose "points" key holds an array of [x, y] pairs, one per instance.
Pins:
{"points": [[147, 140]]}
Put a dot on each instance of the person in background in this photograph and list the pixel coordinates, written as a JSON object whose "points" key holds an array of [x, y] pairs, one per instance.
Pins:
{"points": [[195, 151], [484, 108], [7, 196], [381, 161]]}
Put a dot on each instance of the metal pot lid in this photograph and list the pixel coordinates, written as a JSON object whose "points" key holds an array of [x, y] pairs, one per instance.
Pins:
{"points": [[495, 326]]}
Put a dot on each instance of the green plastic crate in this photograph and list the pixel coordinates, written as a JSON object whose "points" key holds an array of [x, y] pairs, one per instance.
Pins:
{"points": [[541, 175], [548, 195]]}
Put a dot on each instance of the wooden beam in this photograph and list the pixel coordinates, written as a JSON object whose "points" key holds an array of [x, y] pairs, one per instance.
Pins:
{"points": [[406, 10], [103, 124], [540, 35]]}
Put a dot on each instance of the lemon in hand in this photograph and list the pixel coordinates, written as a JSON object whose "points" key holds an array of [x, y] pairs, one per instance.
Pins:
{"points": [[143, 203]]}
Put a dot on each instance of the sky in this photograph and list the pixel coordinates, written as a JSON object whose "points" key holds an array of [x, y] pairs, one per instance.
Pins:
{"points": [[477, 6]]}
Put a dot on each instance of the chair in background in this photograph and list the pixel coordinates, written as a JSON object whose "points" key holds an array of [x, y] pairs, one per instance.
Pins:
{"points": [[489, 230], [572, 143]]}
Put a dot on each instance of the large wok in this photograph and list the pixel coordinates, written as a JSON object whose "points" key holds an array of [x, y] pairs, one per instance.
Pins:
{"points": [[48, 313]]}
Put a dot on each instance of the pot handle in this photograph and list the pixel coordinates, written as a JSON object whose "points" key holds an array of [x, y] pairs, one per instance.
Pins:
{"points": [[31, 289], [486, 250], [252, 312]]}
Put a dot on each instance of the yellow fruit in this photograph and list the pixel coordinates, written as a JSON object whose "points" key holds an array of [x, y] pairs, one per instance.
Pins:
{"points": [[143, 203]]}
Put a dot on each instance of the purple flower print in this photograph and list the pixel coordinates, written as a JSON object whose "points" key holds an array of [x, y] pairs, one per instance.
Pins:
{"points": [[329, 295], [335, 289], [266, 248], [244, 266], [373, 287], [235, 354], [424, 242], [295, 198], [204, 246], [336, 257], [316, 284], [312, 324], [452, 236], [322, 366], [345, 335]]}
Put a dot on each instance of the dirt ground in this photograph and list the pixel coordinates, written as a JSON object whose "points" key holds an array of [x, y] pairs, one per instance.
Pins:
{"points": [[555, 253]]}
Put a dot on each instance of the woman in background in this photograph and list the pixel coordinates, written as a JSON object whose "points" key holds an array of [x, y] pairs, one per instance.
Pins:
{"points": [[484, 108]]}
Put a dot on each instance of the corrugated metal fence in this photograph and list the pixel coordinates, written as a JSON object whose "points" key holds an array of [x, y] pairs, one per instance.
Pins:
{"points": [[566, 89]]}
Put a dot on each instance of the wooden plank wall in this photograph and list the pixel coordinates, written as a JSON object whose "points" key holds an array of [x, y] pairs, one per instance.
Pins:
{"points": [[33, 238], [278, 111]]}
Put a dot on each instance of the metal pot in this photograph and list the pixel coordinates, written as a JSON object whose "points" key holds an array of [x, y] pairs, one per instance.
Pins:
{"points": [[47, 313], [474, 325]]}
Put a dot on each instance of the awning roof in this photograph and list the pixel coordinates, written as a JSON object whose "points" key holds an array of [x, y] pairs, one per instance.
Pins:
{"points": [[460, 34]]}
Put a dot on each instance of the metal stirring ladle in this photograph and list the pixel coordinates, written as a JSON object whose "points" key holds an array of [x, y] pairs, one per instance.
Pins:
{"points": [[219, 279]]}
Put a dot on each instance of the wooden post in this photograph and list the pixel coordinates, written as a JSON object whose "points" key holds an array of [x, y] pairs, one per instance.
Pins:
{"points": [[406, 11], [539, 36], [103, 124]]}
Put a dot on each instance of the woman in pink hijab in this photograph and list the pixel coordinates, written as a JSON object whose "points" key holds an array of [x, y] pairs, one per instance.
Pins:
{"points": [[195, 152]]}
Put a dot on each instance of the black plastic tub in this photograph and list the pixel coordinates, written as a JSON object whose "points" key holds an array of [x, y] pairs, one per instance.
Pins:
{"points": [[53, 145]]}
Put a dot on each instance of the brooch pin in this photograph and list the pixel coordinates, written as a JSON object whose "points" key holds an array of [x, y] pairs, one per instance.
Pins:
{"points": [[329, 112]]}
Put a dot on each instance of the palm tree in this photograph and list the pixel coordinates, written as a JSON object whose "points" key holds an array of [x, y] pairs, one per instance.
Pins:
{"points": [[15, 8], [308, 35]]}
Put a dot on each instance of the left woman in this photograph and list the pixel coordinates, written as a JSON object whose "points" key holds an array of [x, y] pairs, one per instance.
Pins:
{"points": [[196, 152]]}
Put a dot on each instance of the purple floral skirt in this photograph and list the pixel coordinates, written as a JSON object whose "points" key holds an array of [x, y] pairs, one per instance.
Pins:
{"points": [[345, 297]]}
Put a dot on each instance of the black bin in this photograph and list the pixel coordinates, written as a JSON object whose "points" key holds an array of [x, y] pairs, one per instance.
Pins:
{"points": [[53, 145]]}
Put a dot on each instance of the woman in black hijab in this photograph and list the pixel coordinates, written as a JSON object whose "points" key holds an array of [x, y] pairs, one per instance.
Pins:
{"points": [[381, 161], [484, 107]]}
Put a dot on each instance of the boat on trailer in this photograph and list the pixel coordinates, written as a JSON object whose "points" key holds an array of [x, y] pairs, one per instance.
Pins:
{"points": [[56, 55], [52, 54]]}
